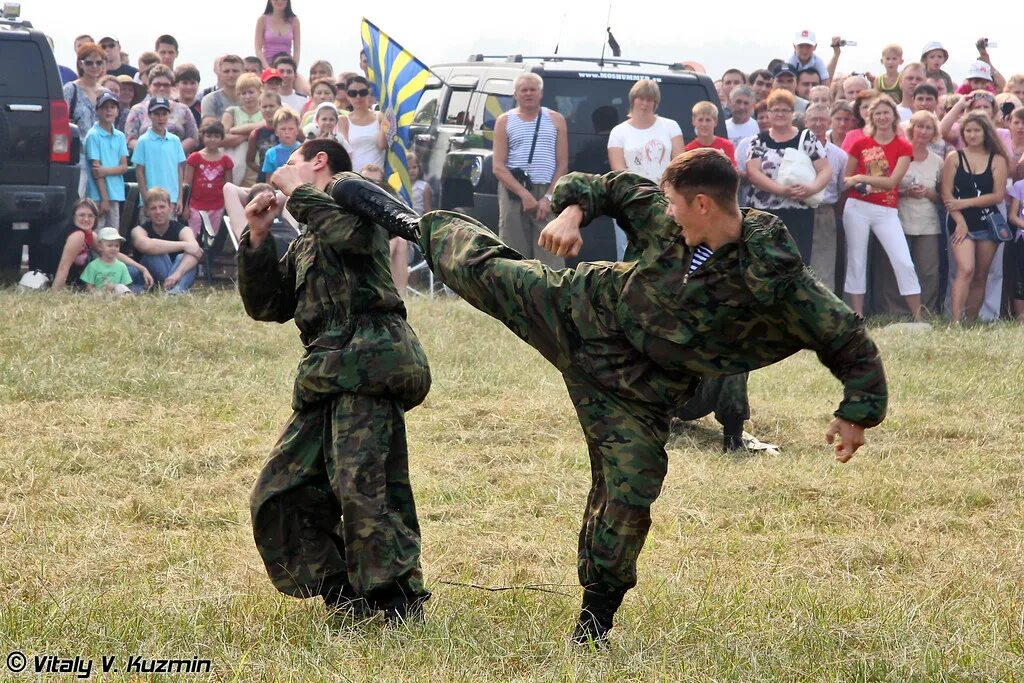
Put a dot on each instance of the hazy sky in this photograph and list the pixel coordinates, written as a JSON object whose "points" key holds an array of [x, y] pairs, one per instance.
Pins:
{"points": [[750, 34]]}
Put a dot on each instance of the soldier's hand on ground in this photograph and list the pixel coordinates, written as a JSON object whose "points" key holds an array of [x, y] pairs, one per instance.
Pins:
{"points": [[286, 179], [259, 215], [561, 236], [850, 438]]}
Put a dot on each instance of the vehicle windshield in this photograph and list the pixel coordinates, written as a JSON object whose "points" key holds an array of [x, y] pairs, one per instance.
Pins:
{"points": [[595, 104]]}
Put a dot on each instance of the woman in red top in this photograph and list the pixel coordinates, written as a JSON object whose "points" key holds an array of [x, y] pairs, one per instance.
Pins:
{"points": [[877, 164]]}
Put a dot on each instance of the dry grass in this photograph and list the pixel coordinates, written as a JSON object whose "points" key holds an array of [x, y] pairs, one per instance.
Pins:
{"points": [[132, 430]]}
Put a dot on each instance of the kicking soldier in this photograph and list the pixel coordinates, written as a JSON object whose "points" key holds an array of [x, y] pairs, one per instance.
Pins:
{"points": [[332, 510], [725, 295]]}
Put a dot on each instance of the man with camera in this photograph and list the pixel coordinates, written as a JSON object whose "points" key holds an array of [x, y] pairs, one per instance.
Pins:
{"points": [[531, 152]]}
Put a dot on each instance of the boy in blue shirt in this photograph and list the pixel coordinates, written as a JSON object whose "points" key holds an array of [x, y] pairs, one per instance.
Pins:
{"points": [[286, 128], [159, 157], [106, 149]]}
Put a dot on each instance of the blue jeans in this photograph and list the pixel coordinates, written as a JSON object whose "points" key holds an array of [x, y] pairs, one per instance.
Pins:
{"points": [[160, 267]]}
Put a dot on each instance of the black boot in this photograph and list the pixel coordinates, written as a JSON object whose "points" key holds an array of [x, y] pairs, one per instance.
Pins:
{"points": [[732, 435], [363, 198], [343, 602], [595, 619]]}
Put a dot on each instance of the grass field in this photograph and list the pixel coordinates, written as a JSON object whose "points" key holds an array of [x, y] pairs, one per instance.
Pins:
{"points": [[131, 432]]}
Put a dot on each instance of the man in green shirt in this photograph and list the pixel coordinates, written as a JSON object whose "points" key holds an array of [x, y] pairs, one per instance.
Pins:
{"points": [[715, 291], [332, 511]]}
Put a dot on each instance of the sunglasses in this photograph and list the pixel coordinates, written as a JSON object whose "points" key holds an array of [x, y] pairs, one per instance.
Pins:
{"points": [[160, 84], [93, 62], [358, 93], [107, 46]]}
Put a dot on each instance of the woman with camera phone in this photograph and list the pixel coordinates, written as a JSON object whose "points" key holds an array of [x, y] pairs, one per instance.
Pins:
{"points": [[877, 164]]}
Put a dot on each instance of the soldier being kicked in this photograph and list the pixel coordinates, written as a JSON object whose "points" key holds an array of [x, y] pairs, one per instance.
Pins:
{"points": [[726, 295], [332, 510]]}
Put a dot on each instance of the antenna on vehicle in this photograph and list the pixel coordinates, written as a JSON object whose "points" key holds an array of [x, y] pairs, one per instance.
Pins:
{"points": [[611, 42], [561, 25], [604, 43]]}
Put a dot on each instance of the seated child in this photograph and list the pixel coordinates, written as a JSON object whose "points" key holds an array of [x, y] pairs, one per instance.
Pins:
{"points": [[107, 275]]}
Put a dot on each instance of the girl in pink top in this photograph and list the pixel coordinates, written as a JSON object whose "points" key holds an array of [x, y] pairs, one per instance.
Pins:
{"points": [[860, 118], [277, 30]]}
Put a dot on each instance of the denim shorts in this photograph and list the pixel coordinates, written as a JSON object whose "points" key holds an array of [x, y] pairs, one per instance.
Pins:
{"points": [[986, 234]]}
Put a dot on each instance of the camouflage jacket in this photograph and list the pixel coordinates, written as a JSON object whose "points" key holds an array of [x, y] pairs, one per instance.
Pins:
{"points": [[335, 282], [752, 303]]}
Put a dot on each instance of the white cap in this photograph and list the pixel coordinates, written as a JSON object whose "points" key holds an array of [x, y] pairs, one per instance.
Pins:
{"points": [[981, 70], [805, 37], [34, 279], [934, 45], [109, 234]]}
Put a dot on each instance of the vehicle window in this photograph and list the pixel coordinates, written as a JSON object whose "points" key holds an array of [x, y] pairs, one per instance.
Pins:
{"points": [[595, 106], [491, 107], [29, 78], [458, 107], [426, 110]]}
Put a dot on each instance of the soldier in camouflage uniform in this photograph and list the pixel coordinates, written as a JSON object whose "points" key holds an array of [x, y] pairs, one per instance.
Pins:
{"points": [[332, 510], [632, 339]]}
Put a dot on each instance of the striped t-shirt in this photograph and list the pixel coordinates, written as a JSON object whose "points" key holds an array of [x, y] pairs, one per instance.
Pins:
{"points": [[520, 138], [699, 257]]}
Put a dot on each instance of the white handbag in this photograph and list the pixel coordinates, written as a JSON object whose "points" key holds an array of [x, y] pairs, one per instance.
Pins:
{"points": [[798, 169]]}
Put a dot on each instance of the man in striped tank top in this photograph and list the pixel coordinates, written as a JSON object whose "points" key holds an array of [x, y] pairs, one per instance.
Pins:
{"points": [[632, 339], [531, 152]]}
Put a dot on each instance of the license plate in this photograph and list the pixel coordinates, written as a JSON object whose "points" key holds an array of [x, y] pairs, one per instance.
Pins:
{"points": [[19, 226]]}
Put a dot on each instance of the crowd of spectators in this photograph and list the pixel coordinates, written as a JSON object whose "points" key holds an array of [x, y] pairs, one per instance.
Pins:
{"points": [[907, 175], [195, 154], [912, 202]]}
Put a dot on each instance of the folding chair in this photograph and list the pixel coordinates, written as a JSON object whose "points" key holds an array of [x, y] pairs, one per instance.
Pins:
{"points": [[212, 241], [417, 264]]}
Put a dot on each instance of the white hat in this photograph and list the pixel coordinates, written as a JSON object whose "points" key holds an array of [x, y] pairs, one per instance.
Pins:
{"points": [[934, 45], [980, 69], [109, 234], [805, 37], [34, 279]]}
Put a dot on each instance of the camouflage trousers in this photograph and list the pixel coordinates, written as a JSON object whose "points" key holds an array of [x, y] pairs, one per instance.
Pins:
{"points": [[725, 396], [333, 504], [625, 437]]}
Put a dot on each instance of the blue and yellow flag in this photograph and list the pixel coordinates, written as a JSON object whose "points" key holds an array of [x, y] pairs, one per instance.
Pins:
{"points": [[400, 79]]}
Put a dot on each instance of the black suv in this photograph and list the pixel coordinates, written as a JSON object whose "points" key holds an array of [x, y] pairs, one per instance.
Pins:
{"points": [[453, 129], [39, 148]]}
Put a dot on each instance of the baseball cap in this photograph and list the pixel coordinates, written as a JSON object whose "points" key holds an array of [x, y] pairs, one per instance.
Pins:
{"points": [[980, 69], [108, 39], [109, 234], [268, 73], [783, 69], [805, 37], [107, 96], [159, 103], [934, 45]]}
